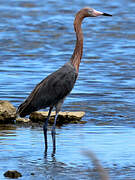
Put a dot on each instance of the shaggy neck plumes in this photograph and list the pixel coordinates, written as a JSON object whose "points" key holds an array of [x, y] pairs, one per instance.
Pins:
{"points": [[78, 51]]}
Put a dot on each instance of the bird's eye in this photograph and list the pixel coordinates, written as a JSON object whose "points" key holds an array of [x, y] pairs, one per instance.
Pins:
{"points": [[90, 11]]}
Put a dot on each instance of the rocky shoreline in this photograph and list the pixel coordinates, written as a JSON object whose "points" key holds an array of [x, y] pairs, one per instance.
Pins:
{"points": [[8, 115]]}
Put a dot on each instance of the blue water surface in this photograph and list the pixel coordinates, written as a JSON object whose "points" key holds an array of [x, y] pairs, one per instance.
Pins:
{"points": [[36, 38]]}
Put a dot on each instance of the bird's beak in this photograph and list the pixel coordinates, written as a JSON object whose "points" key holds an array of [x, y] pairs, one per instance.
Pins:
{"points": [[105, 14], [98, 13]]}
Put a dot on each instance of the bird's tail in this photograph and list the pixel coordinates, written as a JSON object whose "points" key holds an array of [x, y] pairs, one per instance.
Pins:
{"points": [[24, 109]]}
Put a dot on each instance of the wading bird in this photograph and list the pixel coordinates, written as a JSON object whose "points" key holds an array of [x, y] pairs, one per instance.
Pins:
{"points": [[52, 90]]}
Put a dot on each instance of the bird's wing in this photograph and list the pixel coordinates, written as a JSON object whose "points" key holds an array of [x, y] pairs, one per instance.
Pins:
{"points": [[50, 91]]}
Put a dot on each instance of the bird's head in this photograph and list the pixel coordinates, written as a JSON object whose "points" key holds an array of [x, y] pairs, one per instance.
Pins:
{"points": [[90, 12]]}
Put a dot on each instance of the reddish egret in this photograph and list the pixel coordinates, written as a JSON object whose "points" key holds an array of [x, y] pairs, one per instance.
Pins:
{"points": [[52, 90]]}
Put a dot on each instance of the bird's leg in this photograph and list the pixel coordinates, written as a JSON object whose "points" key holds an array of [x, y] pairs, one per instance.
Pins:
{"points": [[45, 128], [53, 134], [58, 107]]}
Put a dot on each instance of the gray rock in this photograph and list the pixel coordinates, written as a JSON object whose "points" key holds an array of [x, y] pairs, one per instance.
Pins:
{"points": [[12, 174], [7, 112]]}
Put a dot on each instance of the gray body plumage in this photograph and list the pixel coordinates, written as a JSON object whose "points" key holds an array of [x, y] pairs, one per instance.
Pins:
{"points": [[50, 91]]}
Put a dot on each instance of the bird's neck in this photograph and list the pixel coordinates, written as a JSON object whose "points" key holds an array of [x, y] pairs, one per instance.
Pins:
{"points": [[78, 51]]}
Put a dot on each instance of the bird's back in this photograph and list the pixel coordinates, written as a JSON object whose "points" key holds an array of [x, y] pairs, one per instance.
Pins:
{"points": [[50, 91]]}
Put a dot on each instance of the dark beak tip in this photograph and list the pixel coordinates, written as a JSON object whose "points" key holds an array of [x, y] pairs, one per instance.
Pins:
{"points": [[105, 14]]}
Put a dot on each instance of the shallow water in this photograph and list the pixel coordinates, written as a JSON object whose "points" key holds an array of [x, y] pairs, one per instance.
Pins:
{"points": [[22, 149], [36, 38]]}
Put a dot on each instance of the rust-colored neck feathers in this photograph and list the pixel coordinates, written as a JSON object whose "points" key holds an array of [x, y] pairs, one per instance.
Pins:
{"points": [[78, 51]]}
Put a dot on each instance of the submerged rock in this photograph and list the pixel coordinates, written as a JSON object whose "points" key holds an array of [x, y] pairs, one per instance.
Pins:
{"points": [[7, 112], [12, 174], [63, 117]]}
